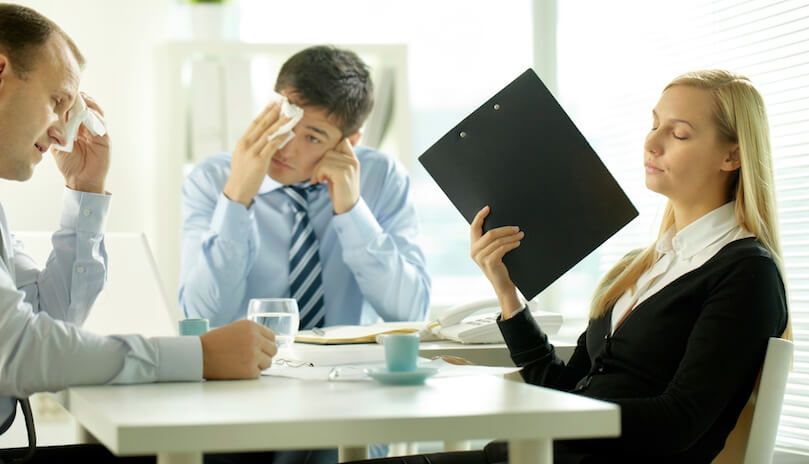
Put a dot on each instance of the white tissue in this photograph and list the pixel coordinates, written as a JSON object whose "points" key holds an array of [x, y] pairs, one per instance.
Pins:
{"points": [[291, 111], [80, 113]]}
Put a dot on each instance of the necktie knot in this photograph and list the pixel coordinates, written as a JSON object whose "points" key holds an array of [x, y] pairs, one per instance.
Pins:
{"points": [[299, 193]]}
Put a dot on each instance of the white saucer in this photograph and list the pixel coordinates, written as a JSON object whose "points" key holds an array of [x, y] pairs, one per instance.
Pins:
{"points": [[415, 377]]}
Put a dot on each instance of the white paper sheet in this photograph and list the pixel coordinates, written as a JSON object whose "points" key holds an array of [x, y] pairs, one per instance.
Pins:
{"points": [[356, 372]]}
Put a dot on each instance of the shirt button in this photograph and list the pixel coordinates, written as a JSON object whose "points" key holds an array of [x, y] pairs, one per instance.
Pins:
{"points": [[87, 212], [80, 269], [601, 370]]}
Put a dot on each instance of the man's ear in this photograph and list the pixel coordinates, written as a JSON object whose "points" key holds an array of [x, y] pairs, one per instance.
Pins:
{"points": [[732, 161], [354, 138], [5, 70]]}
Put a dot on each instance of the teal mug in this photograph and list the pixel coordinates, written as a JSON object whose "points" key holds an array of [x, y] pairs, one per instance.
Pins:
{"points": [[401, 351], [193, 327]]}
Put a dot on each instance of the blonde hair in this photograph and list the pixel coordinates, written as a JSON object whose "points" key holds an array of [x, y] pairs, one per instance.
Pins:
{"points": [[740, 116]]}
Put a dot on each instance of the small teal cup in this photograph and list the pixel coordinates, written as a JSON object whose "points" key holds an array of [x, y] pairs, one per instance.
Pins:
{"points": [[193, 327], [401, 351]]}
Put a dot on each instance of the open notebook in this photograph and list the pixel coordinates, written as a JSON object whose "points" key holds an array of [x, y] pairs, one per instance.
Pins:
{"points": [[347, 334]]}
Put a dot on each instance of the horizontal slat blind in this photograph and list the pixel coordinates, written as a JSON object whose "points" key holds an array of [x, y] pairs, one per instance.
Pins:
{"points": [[610, 86]]}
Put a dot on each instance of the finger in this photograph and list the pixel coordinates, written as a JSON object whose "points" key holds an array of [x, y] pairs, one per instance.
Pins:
{"points": [[321, 172], [500, 253], [262, 122], [324, 169], [494, 245], [338, 160], [259, 118], [269, 348], [91, 103], [274, 127], [344, 148], [266, 146], [328, 172], [264, 332], [496, 253], [476, 228], [494, 235], [264, 361]]}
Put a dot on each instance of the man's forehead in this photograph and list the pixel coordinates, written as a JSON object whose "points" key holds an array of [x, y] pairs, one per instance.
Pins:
{"points": [[61, 67], [315, 116], [316, 119]]}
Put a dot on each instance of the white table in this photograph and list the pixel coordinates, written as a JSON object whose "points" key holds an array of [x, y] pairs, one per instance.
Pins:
{"points": [[180, 421]]}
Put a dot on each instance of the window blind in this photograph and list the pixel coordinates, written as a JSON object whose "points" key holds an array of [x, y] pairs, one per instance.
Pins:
{"points": [[610, 86]]}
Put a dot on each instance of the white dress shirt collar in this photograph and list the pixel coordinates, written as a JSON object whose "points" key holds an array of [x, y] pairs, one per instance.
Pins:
{"points": [[700, 234], [268, 185]]}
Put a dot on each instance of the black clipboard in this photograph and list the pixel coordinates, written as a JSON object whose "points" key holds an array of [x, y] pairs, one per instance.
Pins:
{"points": [[522, 155]]}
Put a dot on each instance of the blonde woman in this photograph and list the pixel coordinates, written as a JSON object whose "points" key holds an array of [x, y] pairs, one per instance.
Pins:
{"points": [[678, 330]]}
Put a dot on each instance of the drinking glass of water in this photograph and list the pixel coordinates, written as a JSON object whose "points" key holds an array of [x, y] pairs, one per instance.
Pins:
{"points": [[277, 314]]}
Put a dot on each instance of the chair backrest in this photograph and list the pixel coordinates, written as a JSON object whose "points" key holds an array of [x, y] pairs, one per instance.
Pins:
{"points": [[752, 441], [133, 300]]}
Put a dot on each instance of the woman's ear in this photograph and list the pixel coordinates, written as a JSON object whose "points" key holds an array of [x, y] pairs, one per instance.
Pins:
{"points": [[732, 161]]}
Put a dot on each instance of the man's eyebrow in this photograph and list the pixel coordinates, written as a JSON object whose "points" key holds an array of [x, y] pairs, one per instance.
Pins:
{"points": [[318, 130], [66, 94]]}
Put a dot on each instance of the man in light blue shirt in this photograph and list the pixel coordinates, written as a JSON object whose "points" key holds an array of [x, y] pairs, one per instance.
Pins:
{"points": [[239, 221], [249, 216], [42, 347]]}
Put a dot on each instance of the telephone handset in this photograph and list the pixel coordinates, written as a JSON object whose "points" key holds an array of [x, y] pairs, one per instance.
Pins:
{"points": [[463, 324]]}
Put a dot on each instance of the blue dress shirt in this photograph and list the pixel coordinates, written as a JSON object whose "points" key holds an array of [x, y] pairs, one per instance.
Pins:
{"points": [[42, 347], [372, 266]]}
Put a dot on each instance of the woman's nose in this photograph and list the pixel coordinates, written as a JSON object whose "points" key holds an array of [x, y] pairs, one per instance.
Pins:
{"points": [[652, 145]]}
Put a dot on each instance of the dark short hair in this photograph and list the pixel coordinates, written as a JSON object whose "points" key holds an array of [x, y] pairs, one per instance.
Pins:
{"points": [[23, 32], [333, 79]]}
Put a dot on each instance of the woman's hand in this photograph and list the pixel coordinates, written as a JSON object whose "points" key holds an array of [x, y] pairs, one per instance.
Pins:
{"points": [[487, 251]]}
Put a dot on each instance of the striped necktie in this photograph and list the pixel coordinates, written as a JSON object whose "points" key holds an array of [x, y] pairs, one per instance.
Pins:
{"points": [[305, 271]]}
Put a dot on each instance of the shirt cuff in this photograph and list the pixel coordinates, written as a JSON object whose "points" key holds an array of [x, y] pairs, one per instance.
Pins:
{"points": [[180, 359], [231, 220], [525, 340], [84, 211], [356, 227]]}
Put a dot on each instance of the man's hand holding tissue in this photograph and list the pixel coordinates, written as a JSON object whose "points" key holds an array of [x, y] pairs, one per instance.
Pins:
{"points": [[340, 169], [85, 168], [251, 158]]}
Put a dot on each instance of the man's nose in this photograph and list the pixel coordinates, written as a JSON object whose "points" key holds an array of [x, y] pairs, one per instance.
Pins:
{"points": [[57, 133], [286, 152]]}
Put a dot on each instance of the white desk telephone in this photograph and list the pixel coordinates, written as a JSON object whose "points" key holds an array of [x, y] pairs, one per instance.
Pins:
{"points": [[463, 324]]}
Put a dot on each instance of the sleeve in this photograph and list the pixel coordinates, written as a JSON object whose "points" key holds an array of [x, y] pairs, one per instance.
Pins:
{"points": [[76, 269], [40, 353], [530, 349], [219, 247], [722, 359], [381, 250]]}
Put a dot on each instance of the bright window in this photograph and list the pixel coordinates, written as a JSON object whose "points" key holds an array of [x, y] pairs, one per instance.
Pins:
{"points": [[610, 81]]}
